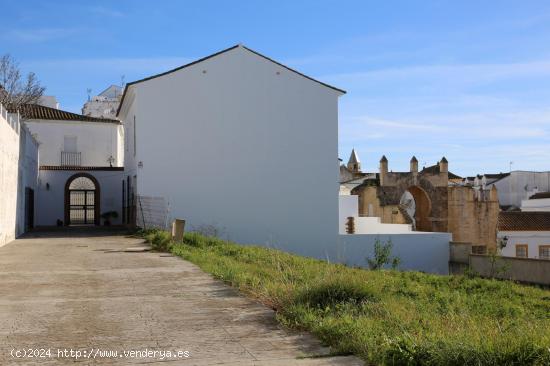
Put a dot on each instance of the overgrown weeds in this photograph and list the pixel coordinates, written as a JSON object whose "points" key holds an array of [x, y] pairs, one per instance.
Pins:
{"points": [[385, 316]]}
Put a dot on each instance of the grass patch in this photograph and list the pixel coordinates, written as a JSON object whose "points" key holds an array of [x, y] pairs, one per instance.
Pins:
{"points": [[385, 317]]}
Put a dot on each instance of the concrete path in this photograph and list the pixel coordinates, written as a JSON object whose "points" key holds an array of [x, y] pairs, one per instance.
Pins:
{"points": [[83, 293]]}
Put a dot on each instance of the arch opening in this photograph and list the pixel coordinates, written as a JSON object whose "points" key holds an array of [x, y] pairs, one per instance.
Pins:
{"points": [[82, 198], [422, 208]]}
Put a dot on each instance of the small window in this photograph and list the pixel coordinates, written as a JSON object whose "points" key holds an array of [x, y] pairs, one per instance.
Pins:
{"points": [[544, 251], [69, 143], [479, 249], [522, 250]]}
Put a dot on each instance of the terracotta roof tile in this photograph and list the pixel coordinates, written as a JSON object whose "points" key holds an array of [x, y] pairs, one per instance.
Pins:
{"points": [[35, 111], [524, 221]]}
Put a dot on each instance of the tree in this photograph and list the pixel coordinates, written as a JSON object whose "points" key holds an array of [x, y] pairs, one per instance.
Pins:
{"points": [[382, 256], [17, 90]]}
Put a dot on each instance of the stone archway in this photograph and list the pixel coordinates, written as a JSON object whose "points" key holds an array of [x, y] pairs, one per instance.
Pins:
{"points": [[423, 208], [82, 200]]}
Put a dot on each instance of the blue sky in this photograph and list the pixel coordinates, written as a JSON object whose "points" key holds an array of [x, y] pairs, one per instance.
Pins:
{"points": [[469, 80]]}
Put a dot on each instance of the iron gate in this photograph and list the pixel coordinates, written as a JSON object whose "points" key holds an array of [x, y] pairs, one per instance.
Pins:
{"points": [[82, 207]]}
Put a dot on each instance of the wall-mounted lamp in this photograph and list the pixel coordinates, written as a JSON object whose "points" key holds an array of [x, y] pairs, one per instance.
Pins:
{"points": [[140, 164], [47, 186], [503, 242]]}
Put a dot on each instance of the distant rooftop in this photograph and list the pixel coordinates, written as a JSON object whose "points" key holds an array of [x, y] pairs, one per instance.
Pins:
{"points": [[524, 221], [35, 111]]}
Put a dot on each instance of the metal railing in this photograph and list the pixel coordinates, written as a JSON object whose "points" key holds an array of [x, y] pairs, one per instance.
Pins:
{"points": [[70, 158]]}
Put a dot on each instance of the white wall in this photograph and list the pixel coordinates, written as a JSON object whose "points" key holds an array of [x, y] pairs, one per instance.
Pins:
{"points": [[50, 204], [348, 206], [95, 140], [532, 238], [9, 170], [243, 148], [28, 174], [539, 204], [519, 185], [427, 252], [18, 170]]}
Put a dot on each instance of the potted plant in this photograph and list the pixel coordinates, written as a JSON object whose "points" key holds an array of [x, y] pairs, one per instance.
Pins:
{"points": [[107, 216]]}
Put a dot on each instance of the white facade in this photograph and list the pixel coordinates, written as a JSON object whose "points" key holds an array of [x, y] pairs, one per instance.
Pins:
{"points": [[104, 105], [49, 101], [520, 185], [532, 239], [349, 207], [50, 200], [18, 175], [539, 204], [96, 142], [242, 143]]}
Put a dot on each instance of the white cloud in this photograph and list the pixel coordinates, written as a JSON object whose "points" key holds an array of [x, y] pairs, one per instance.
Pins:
{"points": [[39, 35], [108, 12]]}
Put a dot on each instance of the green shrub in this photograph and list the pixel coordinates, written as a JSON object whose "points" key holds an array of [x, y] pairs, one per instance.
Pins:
{"points": [[160, 240], [333, 291]]}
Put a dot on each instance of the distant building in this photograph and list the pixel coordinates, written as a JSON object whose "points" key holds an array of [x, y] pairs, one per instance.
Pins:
{"points": [[81, 167], [351, 173], [48, 101], [537, 202], [104, 105], [524, 234], [432, 199], [513, 187]]}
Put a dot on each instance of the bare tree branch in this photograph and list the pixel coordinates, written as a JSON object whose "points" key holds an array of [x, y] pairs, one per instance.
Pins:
{"points": [[15, 90]]}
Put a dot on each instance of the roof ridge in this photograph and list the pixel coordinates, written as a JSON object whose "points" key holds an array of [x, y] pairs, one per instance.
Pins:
{"points": [[28, 109], [239, 45]]}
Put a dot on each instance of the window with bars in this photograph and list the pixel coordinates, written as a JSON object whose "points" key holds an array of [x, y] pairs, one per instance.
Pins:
{"points": [[479, 249], [544, 251], [522, 250]]}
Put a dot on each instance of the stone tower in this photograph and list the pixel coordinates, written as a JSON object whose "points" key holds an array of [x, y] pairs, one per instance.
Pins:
{"points": [[383, 169], [414, 165], [354, 164], [444, 165]]}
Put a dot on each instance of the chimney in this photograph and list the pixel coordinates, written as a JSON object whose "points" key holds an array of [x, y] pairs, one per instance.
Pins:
{"points": [[414, 165]]}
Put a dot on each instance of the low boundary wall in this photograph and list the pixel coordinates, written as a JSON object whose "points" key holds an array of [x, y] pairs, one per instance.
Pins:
{"points": [[425, 252], [510, 268]]}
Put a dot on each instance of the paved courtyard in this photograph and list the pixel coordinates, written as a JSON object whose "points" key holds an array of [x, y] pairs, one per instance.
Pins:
{"points": [[91, 294]]}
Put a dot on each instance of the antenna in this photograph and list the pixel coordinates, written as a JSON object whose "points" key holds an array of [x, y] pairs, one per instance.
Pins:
{"points": [[89, 91]]}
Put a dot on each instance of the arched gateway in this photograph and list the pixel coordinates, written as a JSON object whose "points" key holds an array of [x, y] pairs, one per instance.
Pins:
{"points": [[82, 198]]}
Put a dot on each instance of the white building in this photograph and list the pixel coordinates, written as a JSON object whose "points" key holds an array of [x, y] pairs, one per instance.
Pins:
{"points": [[513, 187], [104, 105], [18, 176], [240, 142], [537, 202], [81, 167], [524, 234]]}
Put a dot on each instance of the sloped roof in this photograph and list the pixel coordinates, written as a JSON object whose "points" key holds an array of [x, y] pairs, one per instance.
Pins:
{"points": [[524, 221], [435, 169], [212, 56], [35, 111]]}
